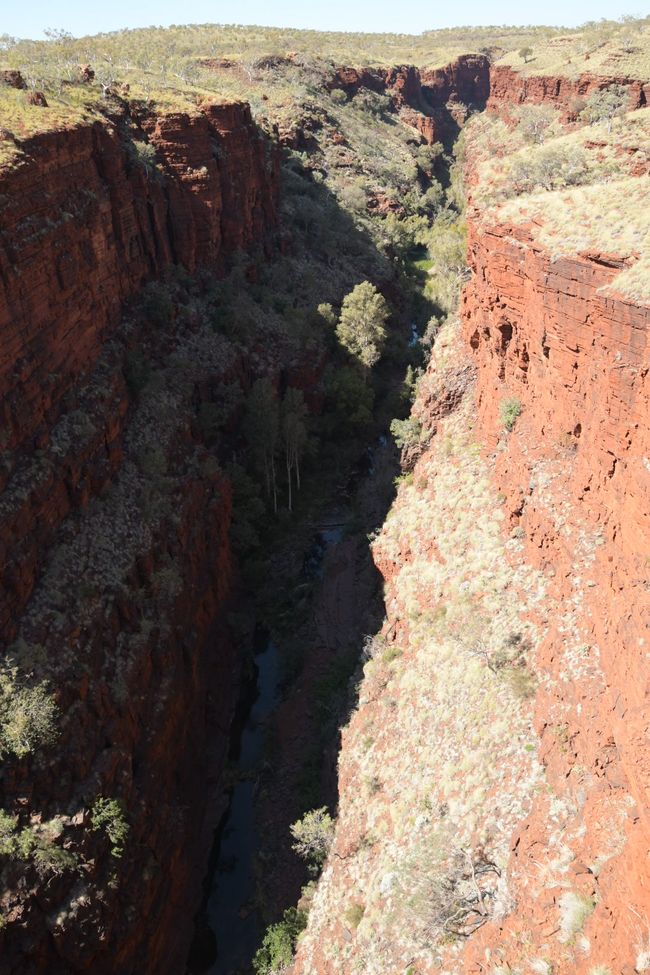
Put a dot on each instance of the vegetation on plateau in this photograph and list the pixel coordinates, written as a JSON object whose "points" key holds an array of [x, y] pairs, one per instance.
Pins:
{"points": [[577, 187]]}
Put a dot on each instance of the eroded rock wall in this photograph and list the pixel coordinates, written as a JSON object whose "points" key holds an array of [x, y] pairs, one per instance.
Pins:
{"points": [[548, 383], [509, 87], [114, 526], [84, 224], [425, 98], [575, 474]]}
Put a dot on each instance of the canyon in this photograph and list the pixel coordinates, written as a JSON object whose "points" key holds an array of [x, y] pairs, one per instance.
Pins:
{"points": [[494, 766]]}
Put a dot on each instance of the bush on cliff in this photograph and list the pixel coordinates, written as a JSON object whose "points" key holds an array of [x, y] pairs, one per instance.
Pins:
{"points": [[279, 943], [108, 815], [313, 836], [509, 410], [27, 715]]}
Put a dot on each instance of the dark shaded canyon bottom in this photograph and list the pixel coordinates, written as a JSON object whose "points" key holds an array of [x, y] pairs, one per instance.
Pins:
{"points": [[229, 927], [229, 920]]}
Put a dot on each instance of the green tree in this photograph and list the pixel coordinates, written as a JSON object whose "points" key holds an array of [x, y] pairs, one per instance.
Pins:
{"points": [[350, 401], [534, 121], [279, 943], [605, 105], [261, 429], [108, 815], [313, 835], [406, 433], [361, 328], [294, 435], [525, 53], [401, 236]]}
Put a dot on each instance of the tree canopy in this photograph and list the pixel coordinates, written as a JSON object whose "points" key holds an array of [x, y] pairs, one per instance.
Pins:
{"points": [[361, 328]]}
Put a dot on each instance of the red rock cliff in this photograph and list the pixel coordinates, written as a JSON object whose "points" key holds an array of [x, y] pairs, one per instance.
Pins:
{"points": [[114, 526], [83, 226], [510, 87], [575, 474], [424, 97]]}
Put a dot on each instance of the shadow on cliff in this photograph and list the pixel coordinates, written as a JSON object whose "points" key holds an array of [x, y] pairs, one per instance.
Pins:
{"points": [[313, 581]]}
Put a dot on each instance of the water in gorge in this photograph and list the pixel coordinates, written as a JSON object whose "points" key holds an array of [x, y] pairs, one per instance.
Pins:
{"points": [[230, 928]]}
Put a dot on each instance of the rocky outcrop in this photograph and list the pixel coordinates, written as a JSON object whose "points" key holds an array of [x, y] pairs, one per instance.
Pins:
{"points": [[466, 80], [509, 88]]}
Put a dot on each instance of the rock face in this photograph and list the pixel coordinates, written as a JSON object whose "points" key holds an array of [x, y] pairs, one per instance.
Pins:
{"points": [[114, 526], [568, 471], [509, 87], [566, 491], [86, 221], [425, 99], [576, 477]]}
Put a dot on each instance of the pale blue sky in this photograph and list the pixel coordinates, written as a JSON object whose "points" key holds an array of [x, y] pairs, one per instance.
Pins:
{"points": [[29, 17]]}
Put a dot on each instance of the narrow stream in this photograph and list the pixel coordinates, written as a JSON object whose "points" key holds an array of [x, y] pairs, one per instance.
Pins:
{"points": [[230, 929]]}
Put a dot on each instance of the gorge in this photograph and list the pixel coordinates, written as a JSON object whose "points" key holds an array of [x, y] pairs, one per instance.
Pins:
{"points": [[193, 461]]}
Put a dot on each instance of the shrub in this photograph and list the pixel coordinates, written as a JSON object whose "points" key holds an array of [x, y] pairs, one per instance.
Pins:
{"points": [[605, 105], [509, 410], [525, 53], [108, 815], [406, 433], [143, 155], [574, 911], [549, 169], [354, 914], [49, 858], [522, 681], [29, 844], [313, 835], [27, 715], [338, 96], [279, 943], [426, 156], [372, 103]]}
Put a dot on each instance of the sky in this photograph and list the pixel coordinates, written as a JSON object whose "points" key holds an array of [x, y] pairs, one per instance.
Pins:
{"points": [[28, 19]]}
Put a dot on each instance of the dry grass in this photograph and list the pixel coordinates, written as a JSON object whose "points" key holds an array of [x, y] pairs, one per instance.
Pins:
{"points": [[608, 48], [147, 48], [608, 213], [462, 771], [611, 218]]}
